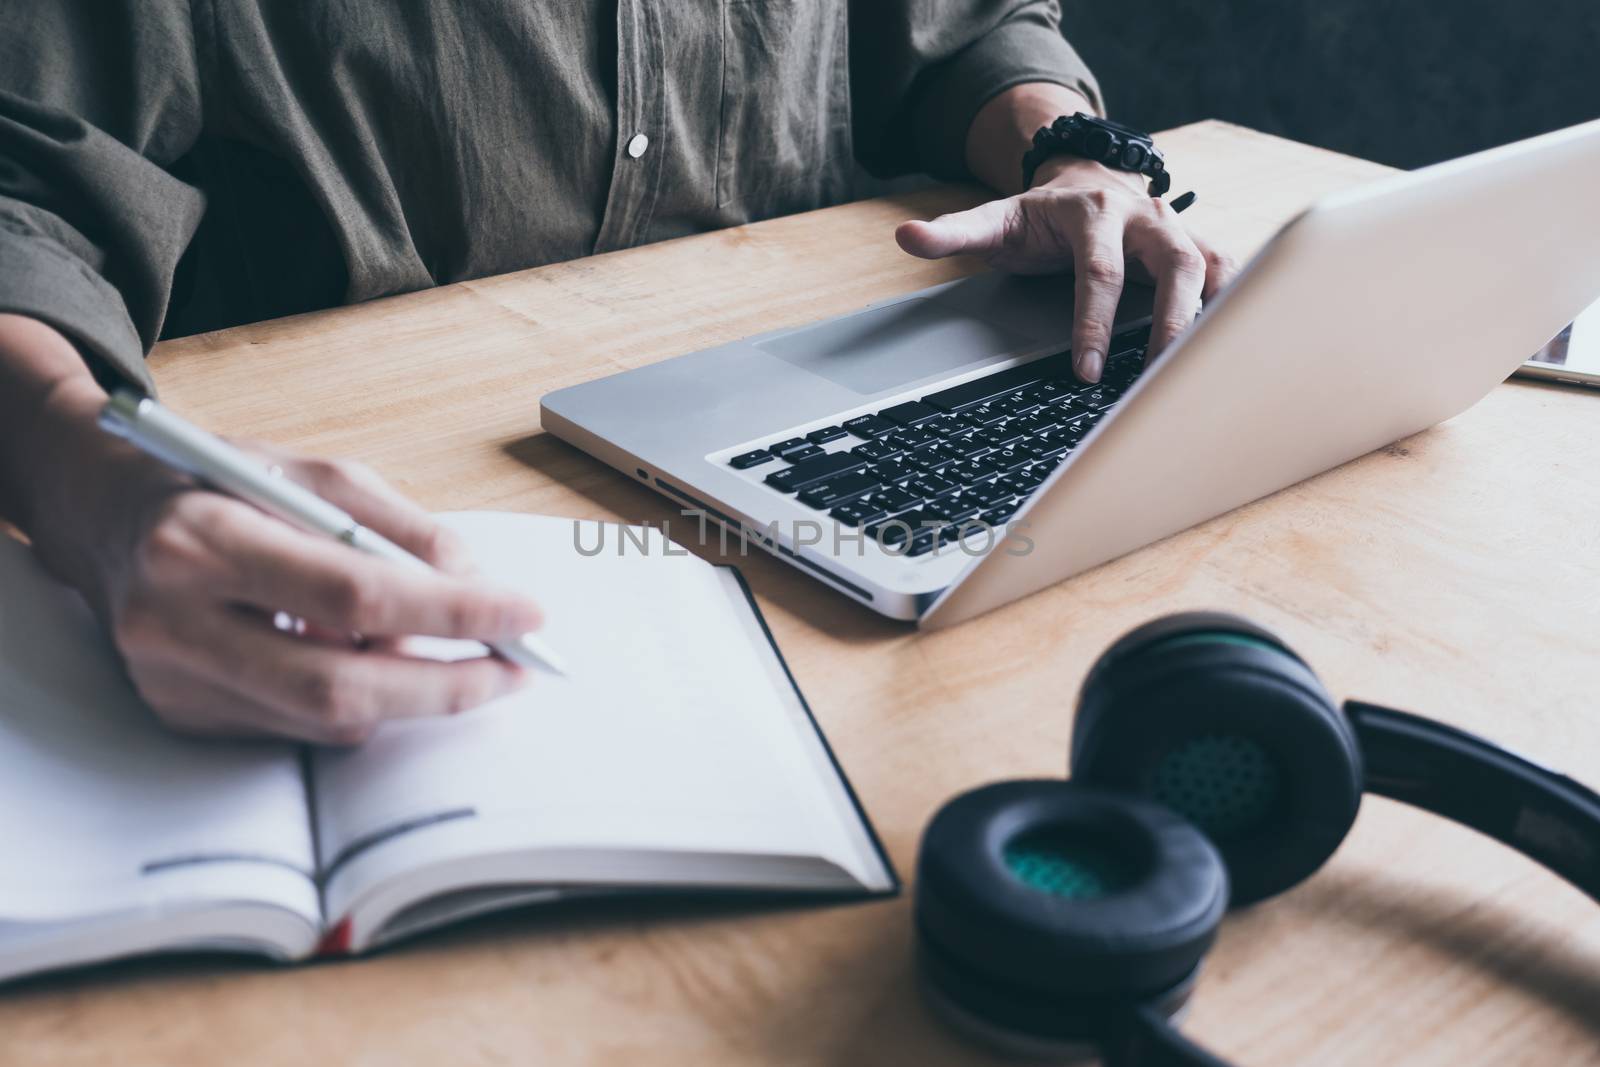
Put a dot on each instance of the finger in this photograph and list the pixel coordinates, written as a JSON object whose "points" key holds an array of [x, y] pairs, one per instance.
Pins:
{"points": [[1098, 275], [272, 566], [375, 504], [1166, 250], [195, 705], [1220, 270], [330, 693], [979, 231]]}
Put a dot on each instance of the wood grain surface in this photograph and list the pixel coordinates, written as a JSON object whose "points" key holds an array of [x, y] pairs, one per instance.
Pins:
{"points": [[1451, 573]]}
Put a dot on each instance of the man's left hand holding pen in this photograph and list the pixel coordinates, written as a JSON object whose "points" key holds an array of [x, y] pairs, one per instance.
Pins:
{"points": [[190, 582]]}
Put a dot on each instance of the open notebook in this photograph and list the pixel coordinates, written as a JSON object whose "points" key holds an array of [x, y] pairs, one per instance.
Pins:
{"points": [[677, 755]]}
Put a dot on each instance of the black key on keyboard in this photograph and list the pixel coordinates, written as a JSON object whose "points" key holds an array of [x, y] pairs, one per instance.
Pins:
{"points": [[1038, 422], [998, 434], [790, 445], [909, 439], [971, 471], [1027, 480], [1064, 402], [969, 394], [876, 451], [869, 426], [894, 471], [826, 434], [1045, 392], [1131, 340], [745, 460], [989, 494], [934, 456], [957, 530], [1047, 446], [894, 498], [931, 485], [966, 446], [917, 527], [895, 529], [1013, 405], [943, 425], [910, 413], [838, 490], [957, 507], [1007, 459], [1095, 399], [1020, 482], [859, 512], [816, 469], [1123, 372], [1016, 485], [1002, 514], [806, 451], [1078, 422], [983, 413], [1064, 436], [942, 534]]}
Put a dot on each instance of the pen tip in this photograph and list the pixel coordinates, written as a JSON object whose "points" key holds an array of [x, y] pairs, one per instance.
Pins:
{"points": [[541, 655]]}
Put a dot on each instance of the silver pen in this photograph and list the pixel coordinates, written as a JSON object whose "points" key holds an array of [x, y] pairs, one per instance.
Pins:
{"points": [[191, 450]]}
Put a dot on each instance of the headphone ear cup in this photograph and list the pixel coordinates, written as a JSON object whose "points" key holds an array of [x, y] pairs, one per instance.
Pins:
{"points": [[1218, 719], [1179, 624], [1046, 909]]}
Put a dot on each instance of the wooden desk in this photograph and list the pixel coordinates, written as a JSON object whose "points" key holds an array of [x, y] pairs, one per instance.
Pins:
{"points": [[1452, 573]]}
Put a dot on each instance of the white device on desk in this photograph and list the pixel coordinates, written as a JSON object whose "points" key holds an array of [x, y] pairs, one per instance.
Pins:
{"points": [[1373, 315], [1573, 356]]}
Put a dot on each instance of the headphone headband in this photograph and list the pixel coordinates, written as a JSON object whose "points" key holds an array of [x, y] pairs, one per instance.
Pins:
{"points": [[1546, 816]]}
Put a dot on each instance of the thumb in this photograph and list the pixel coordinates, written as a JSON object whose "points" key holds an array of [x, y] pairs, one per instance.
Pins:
{"points": [[978, 231]]}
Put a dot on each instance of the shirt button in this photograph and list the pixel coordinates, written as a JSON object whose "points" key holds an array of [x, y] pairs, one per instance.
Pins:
{"points": [[637, 146]]}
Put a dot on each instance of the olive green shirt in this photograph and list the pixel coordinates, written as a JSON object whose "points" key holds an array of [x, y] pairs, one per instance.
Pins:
{"points": [[169, 166]]}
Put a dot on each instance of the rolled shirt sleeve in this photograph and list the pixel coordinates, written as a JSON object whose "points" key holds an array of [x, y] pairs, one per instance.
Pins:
{"points": [[96, 100], [922, 69]]}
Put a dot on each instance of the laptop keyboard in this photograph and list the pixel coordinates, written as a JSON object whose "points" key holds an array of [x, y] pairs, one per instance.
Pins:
{"points": [[920, 473]]}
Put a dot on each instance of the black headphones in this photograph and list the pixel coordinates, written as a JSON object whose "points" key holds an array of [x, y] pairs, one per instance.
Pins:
{"points": [[1209, 768]]}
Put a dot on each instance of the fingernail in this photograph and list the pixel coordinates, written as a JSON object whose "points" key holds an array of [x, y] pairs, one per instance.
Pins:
{"points": [[532, 618], [1089, 364]]}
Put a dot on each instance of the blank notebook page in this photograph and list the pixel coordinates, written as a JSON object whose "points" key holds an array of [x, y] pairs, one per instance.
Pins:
{"points": [[669, 732], [103, 808]]}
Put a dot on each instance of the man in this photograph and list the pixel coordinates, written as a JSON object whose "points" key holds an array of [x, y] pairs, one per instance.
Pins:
{"points": [[206, 162]]}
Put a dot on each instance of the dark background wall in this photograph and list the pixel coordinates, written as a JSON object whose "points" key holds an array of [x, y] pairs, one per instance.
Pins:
{"points": [[1404, 82]]}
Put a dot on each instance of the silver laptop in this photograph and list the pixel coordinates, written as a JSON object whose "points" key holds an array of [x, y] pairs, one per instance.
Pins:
{"points": [[932, 457]]}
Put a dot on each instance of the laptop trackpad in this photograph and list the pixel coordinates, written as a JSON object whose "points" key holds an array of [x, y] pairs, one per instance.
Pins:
{"points": [[879, 349]]}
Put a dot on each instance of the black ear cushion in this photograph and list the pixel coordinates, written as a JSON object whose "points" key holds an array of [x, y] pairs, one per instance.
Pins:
{"points": [[1218, 718], [996, 932], [1179, 624]]}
